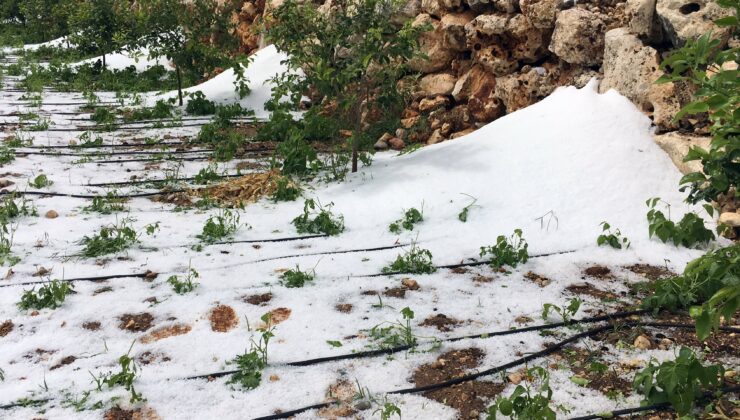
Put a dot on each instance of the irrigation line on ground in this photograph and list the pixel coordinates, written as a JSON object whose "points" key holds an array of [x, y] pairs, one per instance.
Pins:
{"points": [[102, 146], [45, 194], [151, 181], [103, 154], [502, 368]]}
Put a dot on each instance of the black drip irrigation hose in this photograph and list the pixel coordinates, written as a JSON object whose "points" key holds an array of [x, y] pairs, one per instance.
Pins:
{"points": [[459, 265], [151, 181], [82, 279], [666, 406], [392, 350], [344, 251], [130, 152], [502, 368], [102, 146], [45, 194]]}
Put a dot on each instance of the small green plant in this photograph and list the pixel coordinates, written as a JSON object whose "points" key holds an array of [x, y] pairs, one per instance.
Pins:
{"points": [[388, 410], [199, 105], [110, 240], [108, 204], [323, 221], [10, 209], [688, 232], [7, 231], [612, 238], [7, 155], [124, 378], [41, 181], [510, 251], [251, 364], [104, 117], [411, 217], [415, 261], [286, 190], [208, 175], [86, 140], [526, 402], [463, 215], [395, 334], [297, 278], [186, 285], [50, 296], [679, 382], [566, 313], [220, 226]]}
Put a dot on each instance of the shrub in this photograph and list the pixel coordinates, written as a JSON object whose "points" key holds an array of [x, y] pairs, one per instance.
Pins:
{"points": [[199, 105], [286, 190], [415, 261], [110, 240], [612, 238], [220, 226], [410, 218], [689, 231]]}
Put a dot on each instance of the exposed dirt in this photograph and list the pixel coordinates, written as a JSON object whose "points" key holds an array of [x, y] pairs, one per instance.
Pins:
{"points": [[539, 280], [147, 358], [91, 325], [117, 413], [396, 292], [650, 272], [606, 381], [258, 299], [469, 398], [102, 290], [136, 322], [459, 270], [344, 308], [279, 315], [478, 278], [6, 327], [440, 321], [590, 290], [64, 362], [598, 271], [343, 392], [166, 332], [223, 318]]}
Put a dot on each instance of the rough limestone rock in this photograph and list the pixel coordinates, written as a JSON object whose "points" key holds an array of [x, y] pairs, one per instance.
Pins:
{"points": [[579, 37], [432, 44], [409, 11], [440, 8], [730, 219], [453, 27], [630, 67], [542, 13], [477, 87], [677, 145], [684, 19], [437, 84], [641, 15], [525, 41]]}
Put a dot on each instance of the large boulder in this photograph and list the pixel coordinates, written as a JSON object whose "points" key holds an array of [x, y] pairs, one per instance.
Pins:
{"points": [[409, 10], [437, 84], [440, 8], [631, 68], [579, 37], [477, 87], [432, 44], [641, 16], [542, 13], [453, 27], [686, 19]]}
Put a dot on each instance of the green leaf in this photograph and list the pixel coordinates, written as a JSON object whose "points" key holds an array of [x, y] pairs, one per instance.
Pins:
{"points": [[334, 343], [580, 381]]}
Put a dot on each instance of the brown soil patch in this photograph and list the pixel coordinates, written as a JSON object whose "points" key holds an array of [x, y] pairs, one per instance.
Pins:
{"points": [[102, 290], [469, 398], [246, 189], [279, 315], [396, 292], [179, 199], [344, 308], [147, 358], [369, 293], [91, 325], [136, 322], [606, 382], [6, 327], [440, 321], [539, 280], [460, 270], [258, 299], [64, 362], [482, 279], [223, 318], [166, 332], [342, 392], [590, 290], [651, 272], [598, 271], [144, 413]]}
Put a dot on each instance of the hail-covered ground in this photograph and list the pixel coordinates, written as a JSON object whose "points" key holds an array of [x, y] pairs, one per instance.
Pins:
{"points": [[555, 170]]}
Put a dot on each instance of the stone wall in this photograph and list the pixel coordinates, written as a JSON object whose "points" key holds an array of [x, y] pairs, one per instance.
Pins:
{"points": [[487, 58]]}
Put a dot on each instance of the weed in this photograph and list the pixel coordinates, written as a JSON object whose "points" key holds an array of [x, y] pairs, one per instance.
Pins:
{"points": [[463, 215], [50, 296], [7, 155], [566, 312], [208, 175], [297, 278], [7, 232], [104, 117], [220, 226], [689, 231], [124, 378], [410, 218], [286, 190], [388, 410], [526, 402], [110, 240], [323, 221], [510, 251], [613, 239], [10, 209], [108, 204], [41, 181], [186, 285], [679, 382], [395, 334], [251, 364], [86, 140], [19, 139], [415, 261]]}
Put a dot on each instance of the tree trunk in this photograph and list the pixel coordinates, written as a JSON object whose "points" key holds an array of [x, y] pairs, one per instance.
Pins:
{"points": [[103, 61], [179, 84], [356, 137]]}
